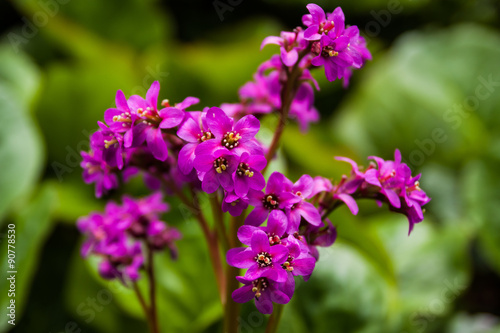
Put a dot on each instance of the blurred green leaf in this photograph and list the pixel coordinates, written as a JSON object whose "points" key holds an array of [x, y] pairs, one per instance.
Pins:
{"points": [[32, 227], [21, 149]]}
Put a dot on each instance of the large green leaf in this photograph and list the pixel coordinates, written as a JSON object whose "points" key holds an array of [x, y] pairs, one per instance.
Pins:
{"points": [[32, 227], [21, 148]]}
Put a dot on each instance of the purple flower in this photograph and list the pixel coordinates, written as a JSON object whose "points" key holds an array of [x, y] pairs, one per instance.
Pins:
{"points": [[320, 24], [122, 261], [388, 176], [235, 138], [275, 229], [96, 170], [247, 175], [290, 43], [261, 259], [215, 168], [110, 143], [334, 56], [276, 196], [298, 262], [121, 119], [319, 236], [152, 121], [194, 130], [347, 186], [264, 291], [302, 107], [234, 204], [302, 209]]}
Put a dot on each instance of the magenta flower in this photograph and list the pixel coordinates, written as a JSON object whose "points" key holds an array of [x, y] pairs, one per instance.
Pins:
{"points": [[121, 119], [320, 24], [275, 229], [152, 121], [302, 107], [388, 176], [290, 43], [276, 196], [302, 209], [194, 130], [96, 170], [334, 56], [215, 168], [235, 138], [298, 262], [264, 291], [122, 261], [110, 143], [261, 259], [234, 204], [247, 175]]}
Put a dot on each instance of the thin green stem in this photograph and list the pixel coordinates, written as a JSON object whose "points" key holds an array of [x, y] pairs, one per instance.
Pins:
{"points": [[152, 291], [274, 320], [219, 221], [288, 92], [144, 306], [211, 237]]}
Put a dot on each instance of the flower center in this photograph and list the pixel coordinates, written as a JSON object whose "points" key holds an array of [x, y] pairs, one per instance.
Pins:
{"points": [[220, 164], [123, 118], [325, 27], [270, 201], [204, 136], [259, 286], [288, 264], [149, 115], [329, 51], [414, 187], [244, 170], [274, 239], [231, 140], [264, 259]]}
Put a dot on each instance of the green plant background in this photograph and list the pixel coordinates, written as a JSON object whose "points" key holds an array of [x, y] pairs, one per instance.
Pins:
{"points": [[430, 60]]}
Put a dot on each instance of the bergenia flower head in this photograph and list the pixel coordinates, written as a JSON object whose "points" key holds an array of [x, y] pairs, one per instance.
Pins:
{"points": [[152, 121], [96, 170], [261, 259], [276, 196]]}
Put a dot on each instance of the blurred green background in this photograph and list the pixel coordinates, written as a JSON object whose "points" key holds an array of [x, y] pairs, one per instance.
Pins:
{"points": [[432, 90]]}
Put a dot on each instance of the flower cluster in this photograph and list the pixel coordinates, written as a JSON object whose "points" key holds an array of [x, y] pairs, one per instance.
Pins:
{"points": [[224, 154], [324, 42], [215, 151], [137, 136], [285, 247], [386, 181], [120, 234]]}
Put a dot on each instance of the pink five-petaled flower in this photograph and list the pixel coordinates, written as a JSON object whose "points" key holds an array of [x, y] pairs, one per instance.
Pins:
{"points": [[248, 174], [152, 121], [264, 291], [215, 168], [388, 176], [320, 24], [235, 138], [261, 259], [234, 204], [194, 130], [122, 261], [303, 189], [290, 43], [96, 170], [121, 119], [276, 196], [275, 229], [298, 262]]}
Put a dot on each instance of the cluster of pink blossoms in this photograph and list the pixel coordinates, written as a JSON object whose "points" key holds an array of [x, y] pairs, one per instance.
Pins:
{"points": [[215, 151], [119, 234]]}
